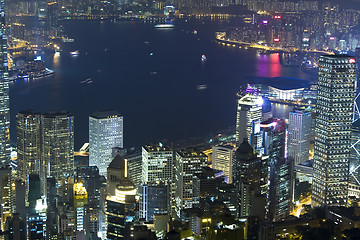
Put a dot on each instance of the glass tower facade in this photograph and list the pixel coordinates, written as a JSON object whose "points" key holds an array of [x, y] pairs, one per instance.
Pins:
{"points": [[249, 111], [4, 93], [334, 108], [58, 144], [105, 132]]}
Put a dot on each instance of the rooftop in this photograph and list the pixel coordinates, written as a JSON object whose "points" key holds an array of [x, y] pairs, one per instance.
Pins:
{"points": [[191, 152], [105, 114]]}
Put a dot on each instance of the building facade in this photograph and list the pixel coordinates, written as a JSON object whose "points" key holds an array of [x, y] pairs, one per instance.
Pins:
{"points": [[189, 164], [335, 103], [105, 133], [249, 111], [222, 158], [299, 136], [4, 93]]}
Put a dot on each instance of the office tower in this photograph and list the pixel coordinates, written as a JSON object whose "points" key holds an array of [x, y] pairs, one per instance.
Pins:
{"points": [[115, 172], [58, 144], [249, 110], [5, 195], [357, 86], [188, 164], [105, 132], [120, 209], [134, 159], [154, 199], [281, 189], [157, 164], [335, 102], [247, 177], [36, 218], [80, 200], [4, 93], [299, 135], [29, 147], [222, 158]]}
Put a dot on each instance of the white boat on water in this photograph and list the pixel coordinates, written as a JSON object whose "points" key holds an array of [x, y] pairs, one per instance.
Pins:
{"points": [[203, 58], [75, 53], [164, 25]]}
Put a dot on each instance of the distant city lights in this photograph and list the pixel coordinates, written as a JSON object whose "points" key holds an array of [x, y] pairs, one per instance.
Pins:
{"points": [[265, 21], [276, 39]]}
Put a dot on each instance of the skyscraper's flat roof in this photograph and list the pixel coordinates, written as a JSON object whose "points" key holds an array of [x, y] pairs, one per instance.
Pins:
{"points": [[105, 114]]}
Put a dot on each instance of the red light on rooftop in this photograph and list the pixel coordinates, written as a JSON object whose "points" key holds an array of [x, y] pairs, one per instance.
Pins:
{"points": [[352, 60], [277, 17], [276, 40], [332, 38]]}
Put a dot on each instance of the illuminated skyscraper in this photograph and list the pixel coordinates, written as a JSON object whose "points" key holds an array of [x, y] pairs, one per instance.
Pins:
{"points": [[188, 164], [120, 208], [222, 159], [335, 103], [157, 164], [80, 200], [29, 147], [4, 93], [249, 111], [58, 144], [105, 132], [299, 136]]}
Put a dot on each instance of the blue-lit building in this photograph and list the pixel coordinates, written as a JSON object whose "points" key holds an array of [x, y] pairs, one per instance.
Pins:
{"points": [[154, 199]]}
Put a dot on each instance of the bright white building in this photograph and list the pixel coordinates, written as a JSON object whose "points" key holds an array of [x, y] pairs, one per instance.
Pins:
{"points": [[105, 132], [249, 111]]}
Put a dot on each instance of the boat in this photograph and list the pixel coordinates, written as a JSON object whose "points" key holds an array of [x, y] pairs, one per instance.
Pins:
{"points": [[203, 58], [164, 25], [201, 87], [153, 73], [74, 53], [87, 81]]}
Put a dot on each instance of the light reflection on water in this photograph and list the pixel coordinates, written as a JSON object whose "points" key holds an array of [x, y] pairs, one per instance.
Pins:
{"points": [[281, 110]]}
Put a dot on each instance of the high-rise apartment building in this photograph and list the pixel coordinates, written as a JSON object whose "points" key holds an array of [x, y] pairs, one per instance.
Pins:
{"points": [[105, 133], [249, 111], [157, 164], [4, 93], [58, 144], [299, 135], [188, 164], [28, 144], [334, 108], [222, 159]]}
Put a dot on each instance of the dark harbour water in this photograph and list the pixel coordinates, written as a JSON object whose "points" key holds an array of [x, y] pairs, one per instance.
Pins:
{"points": [[158, 93]]}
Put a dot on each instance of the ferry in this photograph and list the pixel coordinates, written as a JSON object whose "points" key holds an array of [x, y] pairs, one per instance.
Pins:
{"points": [[164, 25], [201, 87], [203, 58], [74, 53], [87, 81]]}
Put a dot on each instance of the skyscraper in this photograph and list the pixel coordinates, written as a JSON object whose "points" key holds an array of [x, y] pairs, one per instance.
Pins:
{"points": [[222, 159], [299, 135], [335, 103], [249, 111], [105, 132], [4, 93], [28, 144], [247, 179], [157, 164], [58, 144], [189, 163]]}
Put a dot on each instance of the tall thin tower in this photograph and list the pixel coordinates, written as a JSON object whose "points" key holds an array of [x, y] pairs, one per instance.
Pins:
{"points": [[4, 93], [334, 109]]}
